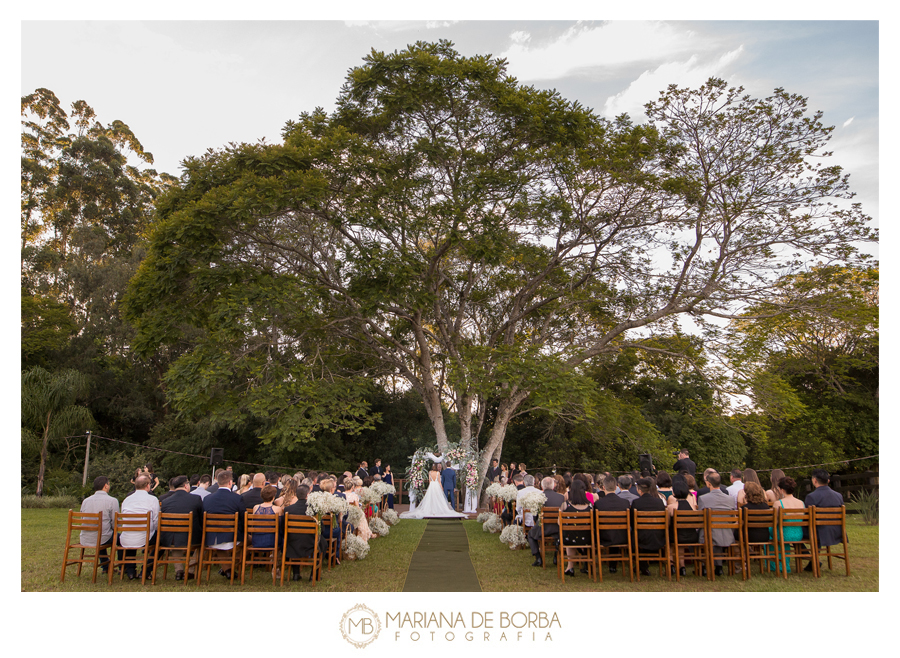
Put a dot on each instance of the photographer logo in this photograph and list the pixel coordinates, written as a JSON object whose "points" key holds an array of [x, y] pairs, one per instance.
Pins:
{"points": [[360, 625]]}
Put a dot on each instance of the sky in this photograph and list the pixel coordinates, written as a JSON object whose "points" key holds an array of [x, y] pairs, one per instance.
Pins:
{"points": [[186, 86]]}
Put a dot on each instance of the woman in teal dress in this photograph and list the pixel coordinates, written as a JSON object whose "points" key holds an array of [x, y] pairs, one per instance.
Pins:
{"points": [[787, 485]]}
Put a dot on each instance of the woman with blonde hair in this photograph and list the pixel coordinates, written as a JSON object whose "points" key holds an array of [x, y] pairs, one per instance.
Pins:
{"points": [[244, 483], [288, 494], [749, 475], [775, 494]]}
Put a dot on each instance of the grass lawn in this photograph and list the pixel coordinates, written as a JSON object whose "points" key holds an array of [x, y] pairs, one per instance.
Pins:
{"points": [[384, 570], [500, 569], [44, 535]]}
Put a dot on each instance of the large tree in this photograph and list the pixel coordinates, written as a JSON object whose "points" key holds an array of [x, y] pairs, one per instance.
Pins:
{"points": [[480, 240]]}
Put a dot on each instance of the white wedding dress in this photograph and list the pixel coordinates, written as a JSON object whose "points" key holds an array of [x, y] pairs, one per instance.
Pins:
{"points": [[434, 504]]}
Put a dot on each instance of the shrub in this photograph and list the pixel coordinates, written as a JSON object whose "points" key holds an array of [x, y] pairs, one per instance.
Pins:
{"points": [[867, 504], [65, 502]]}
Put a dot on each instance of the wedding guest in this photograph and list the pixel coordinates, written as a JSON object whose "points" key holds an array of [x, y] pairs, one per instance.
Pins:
{"points": [[554, 499], [266, 507], [362, 531], [775, 494], [578, 502], [648, 501], [389, 479], [664, 484], [243, 484], [610, 502], [100, 501], [749, 476], [682, 500]]}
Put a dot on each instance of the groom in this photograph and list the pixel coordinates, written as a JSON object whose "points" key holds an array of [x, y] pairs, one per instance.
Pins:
{"points": [[448, 480]]}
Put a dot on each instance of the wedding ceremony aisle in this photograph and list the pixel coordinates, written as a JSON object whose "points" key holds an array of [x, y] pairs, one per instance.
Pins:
{"points": [[441, 561]]}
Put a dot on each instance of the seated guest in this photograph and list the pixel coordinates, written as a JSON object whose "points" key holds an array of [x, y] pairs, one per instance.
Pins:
{"points": [[507, 515], [554, 499], [691, 485], [737, 483], [266, 539], [140, 502], [272, 478], [202, 489], [824, 496], [526, 519], [682, 500], [253, 496], [705, 489], [720, 500], [170, 491], [756, 500], [100, 501], [610, 502], [562, 487], [576, 501], [288, 495], [664, 484], [195, 480], [182, 502], [648, 501], [749, 476], [244, 484], [625, 489], [224, 501], [298, 546]]}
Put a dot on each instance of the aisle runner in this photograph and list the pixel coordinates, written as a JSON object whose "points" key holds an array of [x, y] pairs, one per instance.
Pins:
{"points": [[441, 561]]}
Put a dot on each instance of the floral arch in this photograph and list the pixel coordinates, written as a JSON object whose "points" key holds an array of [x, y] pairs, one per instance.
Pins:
{"points": [[463, 459]]}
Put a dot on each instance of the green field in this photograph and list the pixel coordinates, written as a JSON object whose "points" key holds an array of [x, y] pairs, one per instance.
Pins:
{"points": [[384, 570]]}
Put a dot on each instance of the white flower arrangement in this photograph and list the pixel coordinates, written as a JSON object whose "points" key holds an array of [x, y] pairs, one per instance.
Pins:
{"points": [[354, 547], [322, 502], [508, 493], [382, 489], [484, 516], [390, 516], [355, 516], [367, 496], [379, 527], [493, 490], [514, 536], [493, 524], [534, 502]]}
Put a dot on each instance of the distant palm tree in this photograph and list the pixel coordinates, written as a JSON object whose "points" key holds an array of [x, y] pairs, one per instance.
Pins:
{"points": [[49, 410]]}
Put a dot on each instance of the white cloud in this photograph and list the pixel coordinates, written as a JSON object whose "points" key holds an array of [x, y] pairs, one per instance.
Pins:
{"points": [[400, 25], [691, 73], [583, 46], [847, 122]]}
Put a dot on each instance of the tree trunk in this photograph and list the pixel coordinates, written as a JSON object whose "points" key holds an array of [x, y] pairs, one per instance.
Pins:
{"points": [[40, 482], [498, 433]]}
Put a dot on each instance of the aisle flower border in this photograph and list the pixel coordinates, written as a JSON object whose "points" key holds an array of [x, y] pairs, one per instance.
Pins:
{"points": [[417, 476]]}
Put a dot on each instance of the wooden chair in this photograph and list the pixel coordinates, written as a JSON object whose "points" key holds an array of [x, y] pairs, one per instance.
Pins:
{"points": [[331, 542], [139, 523], [830, 516], [691, 520], [758, 519], [222, 524], [180, 523], [298, 524], [582, 523], [721, 519], [802, 518], [614, 521], [547, 516], [83, 522], [254, 555], [645, 520]]}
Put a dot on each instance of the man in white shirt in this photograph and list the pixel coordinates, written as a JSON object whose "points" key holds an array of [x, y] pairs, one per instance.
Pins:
{"points": [[100, 501], [140, 502], [528, 516], [736, 483]]}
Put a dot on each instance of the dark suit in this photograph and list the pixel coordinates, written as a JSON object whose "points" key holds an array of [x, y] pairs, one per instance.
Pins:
{"points": [[182, 502], [493, 472], [650, 540], [685, 465], [612, 503], [825, 496], [377, 470], [448, 481], [554, 499], [223, 501], [252, 497], [362, 474]]}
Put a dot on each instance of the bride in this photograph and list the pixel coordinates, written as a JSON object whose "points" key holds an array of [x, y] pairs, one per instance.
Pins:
{"points": [[434, 504]]}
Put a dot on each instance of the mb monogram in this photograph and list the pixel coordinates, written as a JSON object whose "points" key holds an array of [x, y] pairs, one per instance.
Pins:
{"points": [[360, 625]]}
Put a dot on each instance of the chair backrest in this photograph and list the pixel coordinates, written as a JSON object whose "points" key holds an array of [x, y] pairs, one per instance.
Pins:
{"points": [[724, 519], [133, 523], [221, 523], [835, 516], [650, 520], [260, 523], [759, 518], [85, 522], [574, 520], [689, 519], [300, 524], [176, 523], [613, 520], [549, 516]]}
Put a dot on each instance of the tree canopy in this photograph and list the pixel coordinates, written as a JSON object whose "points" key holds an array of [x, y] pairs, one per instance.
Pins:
{"points": [[483, 241]]}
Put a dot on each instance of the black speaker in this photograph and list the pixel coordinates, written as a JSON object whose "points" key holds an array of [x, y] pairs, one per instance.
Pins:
{"points": [[646, 463], [216, 456]]}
